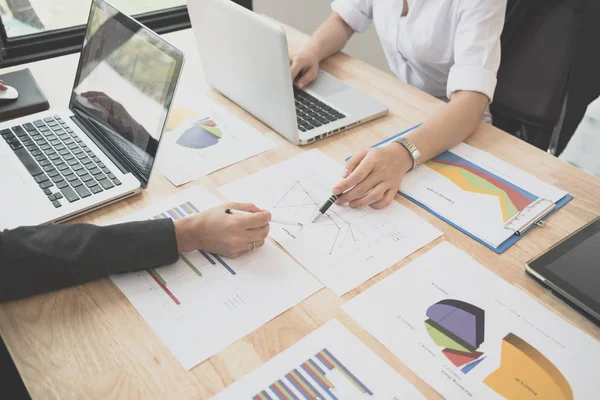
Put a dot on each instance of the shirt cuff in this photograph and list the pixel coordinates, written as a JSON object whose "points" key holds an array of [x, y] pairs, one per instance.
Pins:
{"points": [[472, 79], [358, 21]]}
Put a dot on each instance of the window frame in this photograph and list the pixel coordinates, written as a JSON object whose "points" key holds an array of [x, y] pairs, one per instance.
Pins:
{"points": [[59, 42]]}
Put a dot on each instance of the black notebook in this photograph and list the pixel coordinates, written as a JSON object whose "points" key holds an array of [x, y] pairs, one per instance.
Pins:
{"points": [[31, 99]]}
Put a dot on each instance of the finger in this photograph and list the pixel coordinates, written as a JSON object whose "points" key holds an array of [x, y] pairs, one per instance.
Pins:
{"points": [[248, 247], [296, 68], [353, 162], [361, 189], [2, 87], [387, 199], [356, 176], [374, 196], [248, 207], [258, 234], [307, 77], [255, 220]]}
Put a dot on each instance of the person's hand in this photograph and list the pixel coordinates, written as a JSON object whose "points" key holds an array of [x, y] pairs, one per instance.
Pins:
{"points": [[218, 232], [373, 176], [305, 68], [2, 87]]}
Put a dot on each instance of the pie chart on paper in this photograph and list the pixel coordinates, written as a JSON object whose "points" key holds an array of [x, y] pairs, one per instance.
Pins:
{"points": [[200, 135]]}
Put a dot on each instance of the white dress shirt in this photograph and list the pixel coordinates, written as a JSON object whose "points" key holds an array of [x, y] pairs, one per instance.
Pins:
{"points": [[440, 46]]}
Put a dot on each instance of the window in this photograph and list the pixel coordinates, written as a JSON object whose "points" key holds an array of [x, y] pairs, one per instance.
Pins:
{"points": [[36, 29]]}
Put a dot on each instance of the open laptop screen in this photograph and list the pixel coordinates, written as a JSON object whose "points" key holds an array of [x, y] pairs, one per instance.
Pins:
{"points": [[124, 86]]}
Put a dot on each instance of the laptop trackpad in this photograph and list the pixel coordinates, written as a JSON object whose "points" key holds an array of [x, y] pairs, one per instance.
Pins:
{"points": [[327, 86], [9, 178]]}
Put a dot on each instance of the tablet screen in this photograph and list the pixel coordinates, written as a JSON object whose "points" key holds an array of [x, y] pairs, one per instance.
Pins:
{"points": [[574, 266], [580, 267]]}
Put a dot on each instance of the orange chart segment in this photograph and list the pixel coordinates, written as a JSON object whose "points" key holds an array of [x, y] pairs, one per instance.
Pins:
{"points": [[525, 373], [475, 179]]}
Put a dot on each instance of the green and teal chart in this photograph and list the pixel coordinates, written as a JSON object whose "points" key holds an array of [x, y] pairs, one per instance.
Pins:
{"points": [[202, 134]]}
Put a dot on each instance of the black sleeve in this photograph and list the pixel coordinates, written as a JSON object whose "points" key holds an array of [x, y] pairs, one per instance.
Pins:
{"points": [[44, 258]]}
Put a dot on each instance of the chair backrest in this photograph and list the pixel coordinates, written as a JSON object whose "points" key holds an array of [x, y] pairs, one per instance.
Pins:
{"points": [[538, 46]]}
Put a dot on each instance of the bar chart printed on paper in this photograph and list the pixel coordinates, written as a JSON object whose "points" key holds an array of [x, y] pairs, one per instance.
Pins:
{"points": [[345, 247], [327, 364], [204, 302]]}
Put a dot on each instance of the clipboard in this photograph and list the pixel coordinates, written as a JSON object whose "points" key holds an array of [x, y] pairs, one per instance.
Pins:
{"points": [[533, 215]]}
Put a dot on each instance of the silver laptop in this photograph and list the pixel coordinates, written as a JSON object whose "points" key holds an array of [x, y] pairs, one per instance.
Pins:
{"points": [[59, 164], [245, 57]]}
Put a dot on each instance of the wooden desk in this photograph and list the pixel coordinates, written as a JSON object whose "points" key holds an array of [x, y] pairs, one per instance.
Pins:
{"points": [[89, 342]]}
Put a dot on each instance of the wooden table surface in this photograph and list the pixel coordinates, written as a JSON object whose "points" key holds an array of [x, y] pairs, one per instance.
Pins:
{"points": [[89, 342]]}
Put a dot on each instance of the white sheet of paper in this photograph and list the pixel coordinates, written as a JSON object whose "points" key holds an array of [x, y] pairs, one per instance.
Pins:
{"points": [[469, 334], [476, 190], [203, 303], [209, 139], [347, 246], [332, 362]]}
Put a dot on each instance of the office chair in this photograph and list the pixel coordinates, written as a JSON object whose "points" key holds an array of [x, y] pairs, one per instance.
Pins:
{"points": [[538, 47]]}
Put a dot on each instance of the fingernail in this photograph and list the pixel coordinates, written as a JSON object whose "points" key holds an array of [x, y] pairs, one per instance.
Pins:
{"points": [[345, 173]]}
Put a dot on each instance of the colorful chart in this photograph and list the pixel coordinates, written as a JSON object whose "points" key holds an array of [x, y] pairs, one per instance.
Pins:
{"points": [[176, 213], [475, 179], [202, 134], [459, 327], [525, 373], [313, 380]]}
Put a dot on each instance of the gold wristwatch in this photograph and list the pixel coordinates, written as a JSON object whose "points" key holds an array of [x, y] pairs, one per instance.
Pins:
{"points": [[412, 150]]}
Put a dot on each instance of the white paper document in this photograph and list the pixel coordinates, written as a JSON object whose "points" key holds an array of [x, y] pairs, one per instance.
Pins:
{"points": [[204, 138], [203, 303], [328, 364], [347, 246], [471, 335], [477, 191]]}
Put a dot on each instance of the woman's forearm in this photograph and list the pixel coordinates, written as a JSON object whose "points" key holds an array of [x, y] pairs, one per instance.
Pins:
{"points": [[329, 38], [455, 122]]}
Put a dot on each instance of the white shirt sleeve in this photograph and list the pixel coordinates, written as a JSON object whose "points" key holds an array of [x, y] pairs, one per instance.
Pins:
{"points": [[356, 13], [477, 47]]}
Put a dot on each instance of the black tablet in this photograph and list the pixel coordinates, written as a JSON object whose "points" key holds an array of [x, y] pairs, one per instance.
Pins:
{"points": [[572, 268]]}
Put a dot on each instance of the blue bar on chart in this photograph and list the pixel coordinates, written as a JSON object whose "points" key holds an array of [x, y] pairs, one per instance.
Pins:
{"points": [[210, 260], [223, 263]]}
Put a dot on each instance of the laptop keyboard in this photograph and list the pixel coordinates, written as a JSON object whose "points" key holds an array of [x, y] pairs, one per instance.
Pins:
{"points": [[60, 163], [312, 113]]}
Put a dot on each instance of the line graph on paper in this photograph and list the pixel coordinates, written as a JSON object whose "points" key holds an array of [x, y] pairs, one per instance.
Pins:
{"points": [[347, 245], [343, 231], [297, 198]]}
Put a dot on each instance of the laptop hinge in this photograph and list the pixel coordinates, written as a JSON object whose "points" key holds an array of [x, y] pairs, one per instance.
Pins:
{"points": [[112, 155]]}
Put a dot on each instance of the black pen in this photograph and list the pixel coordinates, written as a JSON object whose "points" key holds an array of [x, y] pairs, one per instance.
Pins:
{"points": [[323, 209]]}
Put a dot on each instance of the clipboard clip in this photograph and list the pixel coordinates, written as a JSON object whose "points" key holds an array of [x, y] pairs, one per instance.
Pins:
{"points": [[530, 216]]}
